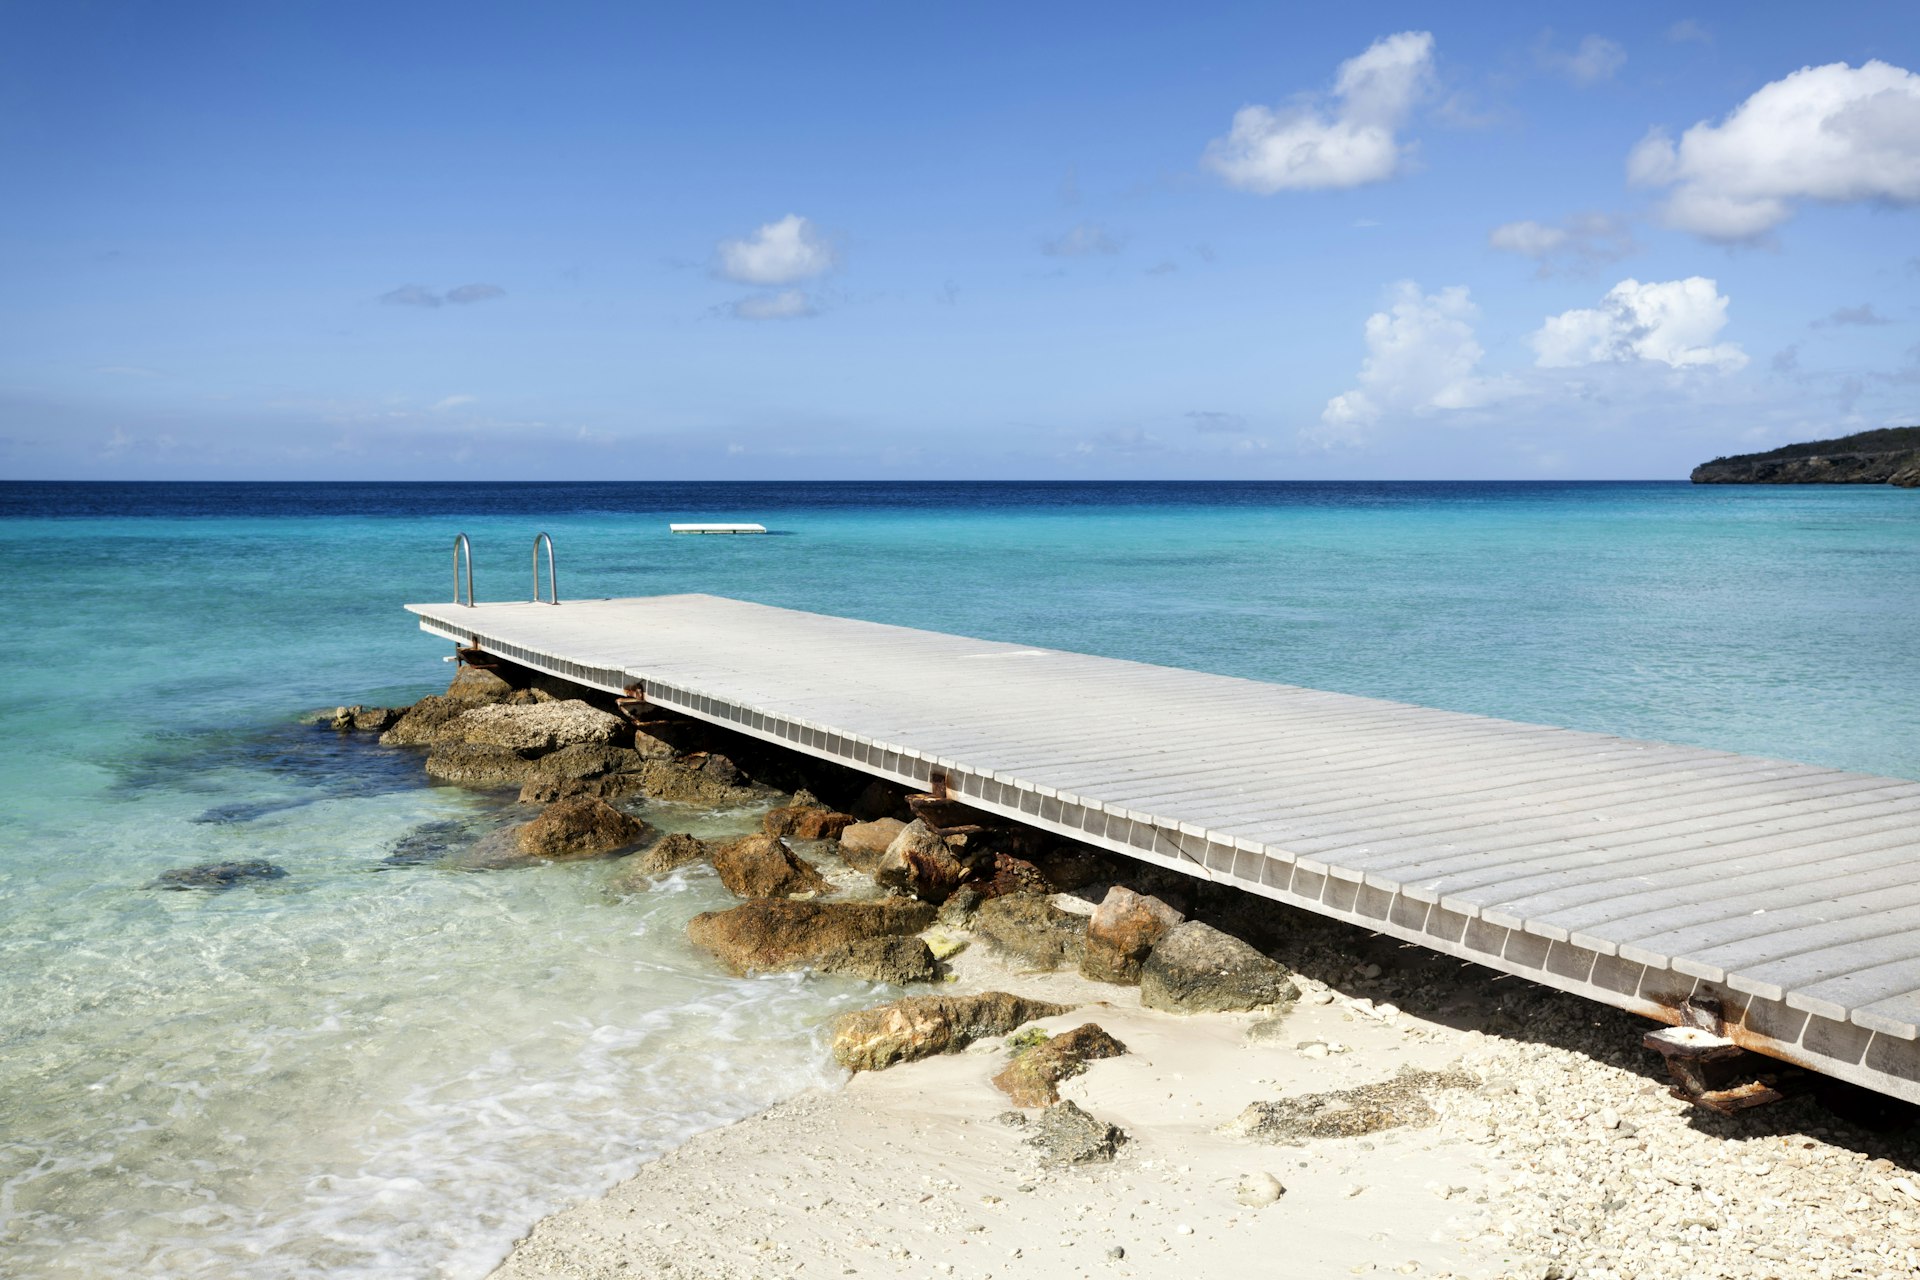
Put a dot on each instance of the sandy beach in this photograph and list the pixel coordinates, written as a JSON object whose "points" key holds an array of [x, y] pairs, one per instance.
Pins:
{"points": [[1565, 1157]]}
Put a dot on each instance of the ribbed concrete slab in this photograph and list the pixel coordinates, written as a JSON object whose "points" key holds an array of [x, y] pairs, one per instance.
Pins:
{"points": [[1636, 873]]}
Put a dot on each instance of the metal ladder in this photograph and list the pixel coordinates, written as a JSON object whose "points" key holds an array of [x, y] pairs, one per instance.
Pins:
{"points": [[461, 545]]}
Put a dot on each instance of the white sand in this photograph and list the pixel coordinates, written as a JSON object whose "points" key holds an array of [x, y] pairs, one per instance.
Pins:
{"points": [[909, 1172]]}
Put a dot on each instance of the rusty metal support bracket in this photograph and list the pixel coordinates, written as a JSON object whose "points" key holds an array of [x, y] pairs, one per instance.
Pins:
{"points": [[1711, 1070]]}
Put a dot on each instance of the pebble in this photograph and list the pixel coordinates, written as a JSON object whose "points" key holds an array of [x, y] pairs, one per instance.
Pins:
{"points": [[1257, 1190], [1116, 1253]]}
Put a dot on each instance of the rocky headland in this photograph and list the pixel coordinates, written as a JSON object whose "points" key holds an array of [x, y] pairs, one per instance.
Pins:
{"points": [[1890, 455], [1079, 1065]]}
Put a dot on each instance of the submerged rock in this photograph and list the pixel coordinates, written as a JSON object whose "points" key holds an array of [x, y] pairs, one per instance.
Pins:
{"points": [[583, 827], [1064, 1134], [1027, 927], [898, 960], [1196, 968], [919, 864], [770, 934], [217, 875], [807, 822], [1122, 931], [673, 852], [763, 867], [1033, 1078], [922, 1026]]}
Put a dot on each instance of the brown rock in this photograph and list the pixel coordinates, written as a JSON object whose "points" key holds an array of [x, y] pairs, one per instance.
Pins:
{"points": [[1121, 933], [584, 769], [762, 867], [919, 864], [1008, 874], [418, 723], [1027, 927], [1195, 968], [702, 780], [1033, 1078], [863, 844], [475, 684], [478, 765], [899, 960], [922, 1026], [770, 934], [1065, 1134], [672, 852], [808, 823], [584, 827]]}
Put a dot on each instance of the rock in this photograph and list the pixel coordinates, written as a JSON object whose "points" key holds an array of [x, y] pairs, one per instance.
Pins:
{"points": [[923, 1026], [476, 684], [478, 765], [882, 800], [1351, 1113], [962, 904], [943, 942], [710, 781], [1007, 874], [583, 827], [1074, 866], [763, 867], [376, 719], [217, 875], [919, 864], [1888, 455], [1121, 933], [1195, 968], [671, 853], [1033, 1078], [770, 934], [1258, 1190], [532, 730], [583, 769], [898, 960], [419, 722], [1065, 1134], [863, 844], [808, 823], [1027, 927]]}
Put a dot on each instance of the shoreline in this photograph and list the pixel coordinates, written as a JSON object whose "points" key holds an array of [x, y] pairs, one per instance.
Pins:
{"points": [[1299, 1087], [1566, 1158]]}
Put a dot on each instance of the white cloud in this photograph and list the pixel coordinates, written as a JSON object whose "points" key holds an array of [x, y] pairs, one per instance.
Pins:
{"points": [[1833, 133], [465, 294], [1308, 147], [1422, 357], [1688, 29], [1088, 237], [1584, 238], [1673, 322], [788, 304], [778, 253], [1594, 59], [453, 402]]}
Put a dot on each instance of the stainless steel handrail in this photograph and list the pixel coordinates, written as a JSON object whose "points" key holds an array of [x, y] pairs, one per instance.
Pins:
{"points": [[553, 579], [460, 543]]}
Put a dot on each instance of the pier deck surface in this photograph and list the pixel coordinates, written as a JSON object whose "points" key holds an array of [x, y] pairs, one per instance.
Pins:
{"points": [[1635, 873]]}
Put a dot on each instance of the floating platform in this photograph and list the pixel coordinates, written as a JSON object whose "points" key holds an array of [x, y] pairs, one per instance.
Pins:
{"points": [[716, 528], [1643, 875]]}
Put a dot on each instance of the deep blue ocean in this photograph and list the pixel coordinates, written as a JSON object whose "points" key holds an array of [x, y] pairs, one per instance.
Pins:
{"points": [[369, 1069]]}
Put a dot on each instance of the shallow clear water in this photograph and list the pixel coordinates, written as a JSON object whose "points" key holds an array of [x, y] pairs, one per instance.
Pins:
{"points": [[364, 1069]]}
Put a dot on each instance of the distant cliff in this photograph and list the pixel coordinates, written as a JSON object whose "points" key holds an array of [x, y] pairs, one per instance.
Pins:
{"points": [[1890, 455]]}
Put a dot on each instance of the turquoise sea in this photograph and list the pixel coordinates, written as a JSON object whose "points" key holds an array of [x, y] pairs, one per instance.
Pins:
{"points": [[377, 1066]]}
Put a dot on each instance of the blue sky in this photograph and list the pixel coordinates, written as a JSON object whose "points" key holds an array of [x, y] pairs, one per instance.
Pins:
{"points": [[570, 241]]}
